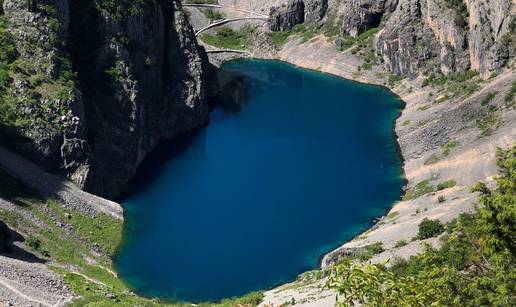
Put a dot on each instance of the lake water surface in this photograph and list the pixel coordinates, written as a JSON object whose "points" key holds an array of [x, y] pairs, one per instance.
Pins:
{"points": [[259, 195]]}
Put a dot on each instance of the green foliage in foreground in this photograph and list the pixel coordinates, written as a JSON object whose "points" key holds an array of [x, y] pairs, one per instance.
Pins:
{"points": [[474, 267]]}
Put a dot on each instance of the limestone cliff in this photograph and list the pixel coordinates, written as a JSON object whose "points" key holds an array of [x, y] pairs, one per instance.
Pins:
{"points": [[419, 35], [97, 84], [441, 36]]}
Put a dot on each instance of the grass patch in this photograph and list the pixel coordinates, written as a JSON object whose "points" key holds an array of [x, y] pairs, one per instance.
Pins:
{"points": [[509, 97], [489, 97], [400, 243], [420, 189], [213, 15], [449, 147], [446, 185], [367, 66], [406, 122], [432, 160], [392, 215], [367, 252], [487, 123], [424, 108], [227, 38]]}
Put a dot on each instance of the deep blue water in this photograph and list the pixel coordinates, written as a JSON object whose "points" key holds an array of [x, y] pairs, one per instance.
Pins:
{"points": [[260, 194]]}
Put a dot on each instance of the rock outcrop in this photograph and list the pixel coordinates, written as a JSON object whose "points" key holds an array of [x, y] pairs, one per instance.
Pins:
{"points": [[102, 84], [444, 36], [315, 10], [285, 18], [297, 12]]}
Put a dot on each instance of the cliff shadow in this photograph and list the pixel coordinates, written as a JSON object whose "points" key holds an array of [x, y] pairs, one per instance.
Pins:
{"points": [[155, 162], [8, 249]]}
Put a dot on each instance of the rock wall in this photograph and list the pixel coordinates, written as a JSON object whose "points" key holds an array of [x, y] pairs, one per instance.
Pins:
{"points": [[124, 76], [449, 36], [297, 12]]}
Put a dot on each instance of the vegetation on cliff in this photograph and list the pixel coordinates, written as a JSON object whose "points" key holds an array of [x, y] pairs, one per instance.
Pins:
{"points": [[475, 266]]}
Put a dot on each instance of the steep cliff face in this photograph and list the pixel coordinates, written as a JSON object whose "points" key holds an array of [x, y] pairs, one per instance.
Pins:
{"points": [[131, 74], [422, 35], [297, 12]]}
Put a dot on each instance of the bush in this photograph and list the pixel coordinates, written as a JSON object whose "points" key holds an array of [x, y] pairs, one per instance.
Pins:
{"points": [[400, 243], [446, 185], [489, 97], [213, 15], [33, 242], [441, 199], [430, 228], [367, 252]]}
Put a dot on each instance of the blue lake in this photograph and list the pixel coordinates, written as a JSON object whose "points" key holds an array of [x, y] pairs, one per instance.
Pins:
{"points": [[260, 194]]}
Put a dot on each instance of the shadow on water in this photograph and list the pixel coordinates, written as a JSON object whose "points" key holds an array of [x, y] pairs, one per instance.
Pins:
{"points": [[155, 162], [234, 93]]}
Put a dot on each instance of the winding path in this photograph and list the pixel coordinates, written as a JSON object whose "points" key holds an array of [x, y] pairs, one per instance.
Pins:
{"points": [[224, 21], [229, 51]]}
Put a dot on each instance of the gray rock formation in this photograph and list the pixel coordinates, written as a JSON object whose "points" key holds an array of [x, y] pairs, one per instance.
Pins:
{"points": [[315, 10], [297, 12], [444, 36], [361, 15], [285, 18], [115, 80]]}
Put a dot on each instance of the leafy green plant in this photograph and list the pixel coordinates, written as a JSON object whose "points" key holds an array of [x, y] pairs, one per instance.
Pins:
{"points": [[446, 185], [429, 228], [400, 243], [488, 98]]}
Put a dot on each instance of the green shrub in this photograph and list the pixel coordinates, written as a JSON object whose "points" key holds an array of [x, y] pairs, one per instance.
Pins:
{"points": [[430, 228], [509, 97], [420, 189], [446, 185], [441, 199], [400, 243], [33, 242], [367, 66], [367, 252], [406, 122], [449, 147], [489, 97], [433, 159], [213, 15]]}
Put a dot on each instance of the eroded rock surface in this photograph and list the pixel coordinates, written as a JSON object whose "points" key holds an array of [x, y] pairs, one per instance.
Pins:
{"points": [[98, 86]]}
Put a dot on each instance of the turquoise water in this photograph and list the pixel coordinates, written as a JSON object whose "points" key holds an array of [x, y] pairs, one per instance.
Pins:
{"points": [[260, 194]]}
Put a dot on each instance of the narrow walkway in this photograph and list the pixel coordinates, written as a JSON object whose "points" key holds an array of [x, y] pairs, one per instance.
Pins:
{"points": [[224, 6], [224, 21], [229, 51]]}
